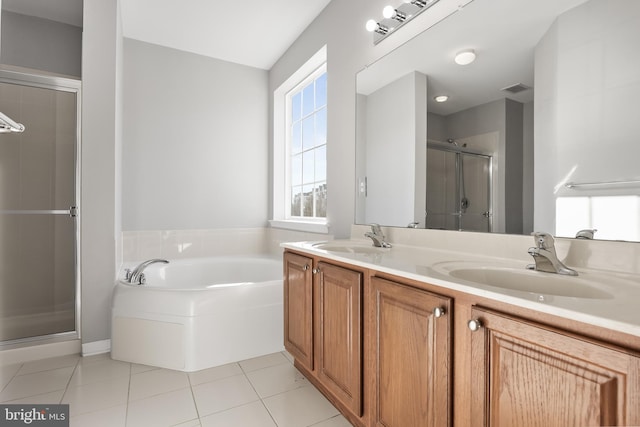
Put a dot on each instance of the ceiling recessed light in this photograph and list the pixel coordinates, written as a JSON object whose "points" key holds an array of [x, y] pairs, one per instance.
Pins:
{"points": [[440, 98], [465, 57]]}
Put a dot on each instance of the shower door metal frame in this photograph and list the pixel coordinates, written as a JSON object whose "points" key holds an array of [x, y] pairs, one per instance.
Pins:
{"points": [[459, 152], [32, 78]]}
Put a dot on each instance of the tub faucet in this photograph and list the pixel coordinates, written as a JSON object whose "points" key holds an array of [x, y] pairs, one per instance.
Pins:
{"points": [[377, 236], [544, 255], [136, 276]]}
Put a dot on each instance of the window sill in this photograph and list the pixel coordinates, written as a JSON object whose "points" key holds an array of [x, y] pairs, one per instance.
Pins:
{"points": [[307, 226]]}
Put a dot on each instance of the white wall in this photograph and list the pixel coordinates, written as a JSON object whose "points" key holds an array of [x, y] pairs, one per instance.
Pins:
{"points": [[195, 141], [41, 44], [527, 169], [99, 214], [395, 128], [586, 102], [349, 49]]}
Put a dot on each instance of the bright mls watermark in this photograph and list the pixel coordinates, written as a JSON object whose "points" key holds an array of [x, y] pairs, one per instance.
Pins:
{"points": [[34, 415]]}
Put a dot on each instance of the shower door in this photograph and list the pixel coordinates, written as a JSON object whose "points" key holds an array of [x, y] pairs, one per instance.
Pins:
{"points": [[458, 190], [38, 208]]}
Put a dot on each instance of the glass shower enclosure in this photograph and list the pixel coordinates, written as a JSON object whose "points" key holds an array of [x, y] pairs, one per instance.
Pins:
{"points": [[458, 190], [39, 208]]}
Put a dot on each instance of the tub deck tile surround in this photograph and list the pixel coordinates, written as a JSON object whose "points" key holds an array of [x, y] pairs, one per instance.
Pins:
{"points": [[265, 391], [177, 244]]}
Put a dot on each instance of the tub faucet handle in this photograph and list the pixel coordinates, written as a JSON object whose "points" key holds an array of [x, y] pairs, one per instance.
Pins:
{"points": [[134, 276]]}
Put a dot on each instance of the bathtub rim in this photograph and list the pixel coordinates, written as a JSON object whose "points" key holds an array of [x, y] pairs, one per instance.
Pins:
{"points": [[120, 280]]}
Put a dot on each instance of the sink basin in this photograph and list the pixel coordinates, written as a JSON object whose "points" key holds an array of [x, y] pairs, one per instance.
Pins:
{"points": [[349, 247], [538, 283]]}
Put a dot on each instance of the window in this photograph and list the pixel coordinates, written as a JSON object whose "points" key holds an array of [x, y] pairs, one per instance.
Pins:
{"points": [[300, 148], [307, 147]]}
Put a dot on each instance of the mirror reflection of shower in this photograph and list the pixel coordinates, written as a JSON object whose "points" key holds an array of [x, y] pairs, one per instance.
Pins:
{"points": [[455, 143], [464, 201], [459, 182]]}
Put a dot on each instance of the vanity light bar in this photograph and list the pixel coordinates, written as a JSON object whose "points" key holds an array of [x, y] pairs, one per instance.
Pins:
{"points": [[395, 17]]}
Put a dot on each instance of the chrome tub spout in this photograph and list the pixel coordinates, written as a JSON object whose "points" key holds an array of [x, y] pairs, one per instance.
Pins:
{"points": [[136, 276]]}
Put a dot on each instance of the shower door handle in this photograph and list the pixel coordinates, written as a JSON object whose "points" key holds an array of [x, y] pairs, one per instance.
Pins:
{"points": [[72, 211]]}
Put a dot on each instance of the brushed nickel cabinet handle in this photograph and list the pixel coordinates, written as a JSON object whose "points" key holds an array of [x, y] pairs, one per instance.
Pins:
{"points": [[474, 325]]}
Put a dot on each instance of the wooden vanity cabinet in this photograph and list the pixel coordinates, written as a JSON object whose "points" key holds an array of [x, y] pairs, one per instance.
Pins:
{"points": [[524, 374], [410, 355], [323, 327], [381, 348], [338, 333], [298, 309]]}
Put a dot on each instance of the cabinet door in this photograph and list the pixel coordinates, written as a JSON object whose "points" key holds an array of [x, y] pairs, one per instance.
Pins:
{"points": [[527, 375], [412, 362], [298, 311], [338, 333]]}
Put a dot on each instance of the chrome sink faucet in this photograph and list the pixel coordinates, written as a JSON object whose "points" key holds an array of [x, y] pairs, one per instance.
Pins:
{"points": [[544, 255], [136, 276], [377, 236]]}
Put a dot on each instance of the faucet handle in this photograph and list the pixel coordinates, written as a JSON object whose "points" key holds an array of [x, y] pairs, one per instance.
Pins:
{"points": [[543, 240], [586, 233], [375, 229]]}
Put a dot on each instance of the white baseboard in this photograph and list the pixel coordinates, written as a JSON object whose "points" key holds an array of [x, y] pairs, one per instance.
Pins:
{"points": [[96, 347]]}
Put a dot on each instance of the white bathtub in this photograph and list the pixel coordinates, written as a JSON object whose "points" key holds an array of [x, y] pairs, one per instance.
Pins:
{"points": [[199, 313]]}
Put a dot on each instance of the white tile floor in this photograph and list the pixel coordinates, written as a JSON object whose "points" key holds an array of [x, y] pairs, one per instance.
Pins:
{"points": [[266, 391]]}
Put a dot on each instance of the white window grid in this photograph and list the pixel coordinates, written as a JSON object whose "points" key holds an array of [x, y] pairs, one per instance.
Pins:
{"points": [[313, 189]]}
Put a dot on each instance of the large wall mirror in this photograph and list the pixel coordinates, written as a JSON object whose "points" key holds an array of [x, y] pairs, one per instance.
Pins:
{"points": [[541, 132]]}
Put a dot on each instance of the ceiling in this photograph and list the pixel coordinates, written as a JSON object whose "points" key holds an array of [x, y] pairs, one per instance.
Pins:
{"points": [[249, 32]]}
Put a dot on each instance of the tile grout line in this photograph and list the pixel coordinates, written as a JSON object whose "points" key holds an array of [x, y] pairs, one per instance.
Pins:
{"points": [[269, 412], [97, 382], [161, 392], [12, 377], [126, 409], [257, 394], [193, 396], [22, 365], [66, 388]]}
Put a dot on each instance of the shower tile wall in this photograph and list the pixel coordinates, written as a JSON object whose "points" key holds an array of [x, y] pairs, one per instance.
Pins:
{"points": [[37, 172]]}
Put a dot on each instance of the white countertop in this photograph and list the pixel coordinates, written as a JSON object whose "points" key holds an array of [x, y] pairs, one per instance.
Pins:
{"points": [[616, 308]]}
